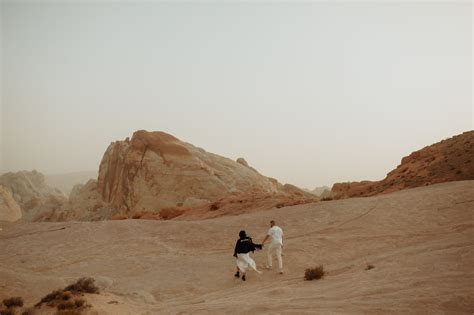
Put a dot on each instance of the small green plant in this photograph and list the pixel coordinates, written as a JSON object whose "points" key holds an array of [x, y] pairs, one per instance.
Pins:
{"points": [[314, 273]]}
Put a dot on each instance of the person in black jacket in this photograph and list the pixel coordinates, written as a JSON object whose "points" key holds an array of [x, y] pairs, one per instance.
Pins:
{"points": [[242, 250]]}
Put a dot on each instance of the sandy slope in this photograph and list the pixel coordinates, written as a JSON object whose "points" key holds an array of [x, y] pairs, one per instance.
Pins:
{"points": [[420, 242]]}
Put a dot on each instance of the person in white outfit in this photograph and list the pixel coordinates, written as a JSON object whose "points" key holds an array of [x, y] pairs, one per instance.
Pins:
{"points": [[276, 244]]}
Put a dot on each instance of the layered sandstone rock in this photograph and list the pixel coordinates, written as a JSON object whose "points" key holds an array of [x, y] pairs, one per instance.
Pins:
{"points": [[449, 160], [9, 209], [154, 170]]}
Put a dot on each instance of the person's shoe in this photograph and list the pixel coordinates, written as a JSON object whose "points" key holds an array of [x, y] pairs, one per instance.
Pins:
{"points": [[281, 272], [243, 278], [237, 274]]}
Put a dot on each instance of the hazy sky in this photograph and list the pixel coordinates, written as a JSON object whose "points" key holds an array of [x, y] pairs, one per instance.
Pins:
{"points": [[308, 93]]}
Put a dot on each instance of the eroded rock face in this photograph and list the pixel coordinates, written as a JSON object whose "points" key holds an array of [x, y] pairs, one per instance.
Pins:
{"points": [[28, 186], [449, 160], [154, 170], [32, 194], [9, 209], [84, 204]]}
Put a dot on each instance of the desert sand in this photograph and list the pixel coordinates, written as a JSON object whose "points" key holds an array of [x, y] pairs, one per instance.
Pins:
{"points": [[420, 242]]}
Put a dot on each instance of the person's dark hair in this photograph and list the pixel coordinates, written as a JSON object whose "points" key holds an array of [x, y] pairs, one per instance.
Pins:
{"points": [[272, 222], [242, 234]]}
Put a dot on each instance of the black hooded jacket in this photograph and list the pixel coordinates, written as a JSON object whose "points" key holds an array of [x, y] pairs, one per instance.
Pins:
{"points": [[245, 245]]}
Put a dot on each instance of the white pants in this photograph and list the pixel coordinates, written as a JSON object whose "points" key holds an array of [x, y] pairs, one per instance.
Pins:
{"points": [[277, 249], [244, 261]]}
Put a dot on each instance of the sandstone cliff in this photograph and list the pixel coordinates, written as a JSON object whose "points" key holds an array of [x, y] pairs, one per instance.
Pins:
{"points": [[154, 170], [449, 160]]}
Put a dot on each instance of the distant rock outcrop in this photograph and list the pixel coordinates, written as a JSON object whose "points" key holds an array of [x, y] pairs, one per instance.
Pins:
{"points": [[449, 160], [9, 209], [27, 187], [65, 182], [318, 191], [154, 170], [32, 194]]}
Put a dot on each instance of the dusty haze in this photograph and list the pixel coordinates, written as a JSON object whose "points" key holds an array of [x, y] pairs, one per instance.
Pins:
{"points": [[309, 93]]}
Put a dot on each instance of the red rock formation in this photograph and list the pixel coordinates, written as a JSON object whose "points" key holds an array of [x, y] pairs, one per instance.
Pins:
{"points": [[449, 160], [154, 171]]}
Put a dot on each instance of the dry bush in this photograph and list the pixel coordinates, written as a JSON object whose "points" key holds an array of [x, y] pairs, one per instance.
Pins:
{"points": [[64, 299], [369, 266], [314, 273], [29, 311], [66, 305], [51, 298], [16, 301], [326, 199], [83, 285], [8, 311]]}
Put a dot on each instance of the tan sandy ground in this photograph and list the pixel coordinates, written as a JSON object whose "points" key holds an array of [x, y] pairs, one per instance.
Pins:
{"points": [[420, 242]]}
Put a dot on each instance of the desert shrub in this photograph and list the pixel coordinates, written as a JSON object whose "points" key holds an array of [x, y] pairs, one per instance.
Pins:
{"points": [[66, 305], [326, 199], [83, 285], [214, 207], [29, 311], [369, 266], [64, 299], [314, 273], [50, 297], [8, 311], [16, 301]]}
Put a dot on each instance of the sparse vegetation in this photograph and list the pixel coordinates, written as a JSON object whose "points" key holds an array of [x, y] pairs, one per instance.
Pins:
{"points": [[326, 199], [314, 273], [369, 266], [29, 311], [83, 285], [13, 302], [8, 311], [66, 300]]}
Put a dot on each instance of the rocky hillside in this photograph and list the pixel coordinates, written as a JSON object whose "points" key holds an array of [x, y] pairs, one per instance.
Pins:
{"points": [[318, 191], [449, 160], [153, 171]]}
